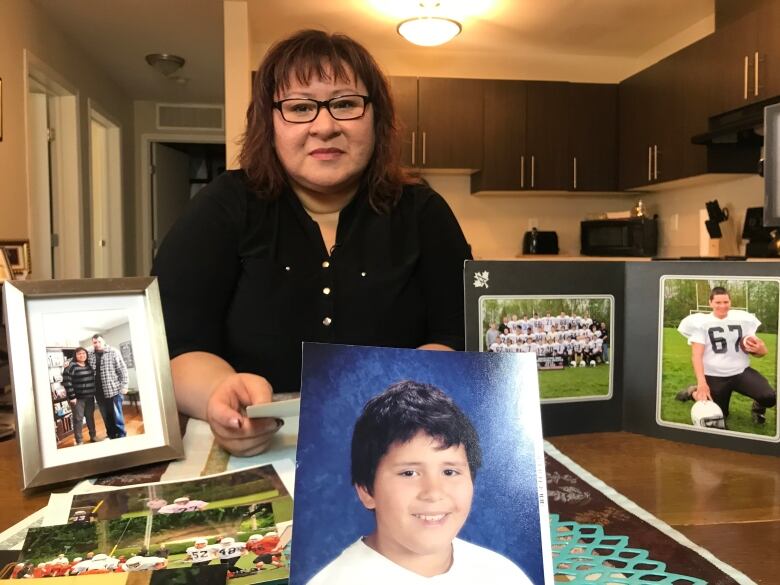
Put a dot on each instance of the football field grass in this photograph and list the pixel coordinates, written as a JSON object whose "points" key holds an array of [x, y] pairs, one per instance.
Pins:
{"points": [[574, 382], [245, 562], [678, 374]]}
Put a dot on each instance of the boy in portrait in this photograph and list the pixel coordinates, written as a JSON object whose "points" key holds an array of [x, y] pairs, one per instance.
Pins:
{"points": [[414, 458]]}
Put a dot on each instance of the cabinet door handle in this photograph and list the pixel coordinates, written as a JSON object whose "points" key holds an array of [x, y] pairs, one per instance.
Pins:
{"points": [[755, 74], [649, 163], [747, 66], [574, 183], [655, 162], [423, 145], [533, 171], [522, 171], [414, 146]]}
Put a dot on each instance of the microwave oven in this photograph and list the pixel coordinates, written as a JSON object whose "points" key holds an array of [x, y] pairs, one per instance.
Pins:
{"points": [[636, 236]]}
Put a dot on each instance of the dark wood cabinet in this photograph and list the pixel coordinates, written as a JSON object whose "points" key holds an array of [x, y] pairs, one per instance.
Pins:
{"points": [[547, 136], [593, 137], [405, 98], [450, 123], [441, 122], [503, 163]]}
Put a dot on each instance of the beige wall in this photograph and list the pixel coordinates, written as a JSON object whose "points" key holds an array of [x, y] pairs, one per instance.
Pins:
{"points": [[23, 26], [678, 209]]}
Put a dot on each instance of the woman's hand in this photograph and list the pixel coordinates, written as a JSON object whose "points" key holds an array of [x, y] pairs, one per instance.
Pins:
{"points": [[226, 413]]}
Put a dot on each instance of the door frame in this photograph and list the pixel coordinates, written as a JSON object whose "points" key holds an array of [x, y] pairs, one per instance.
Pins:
{"points": [[62, 214], [145, 202], [114, 188]]}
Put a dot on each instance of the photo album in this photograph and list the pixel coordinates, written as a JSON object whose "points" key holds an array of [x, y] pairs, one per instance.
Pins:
{"points": [[685, 351]]}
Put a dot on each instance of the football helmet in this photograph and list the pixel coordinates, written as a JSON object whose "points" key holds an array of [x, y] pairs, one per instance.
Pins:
{"points": [[707, 414]]}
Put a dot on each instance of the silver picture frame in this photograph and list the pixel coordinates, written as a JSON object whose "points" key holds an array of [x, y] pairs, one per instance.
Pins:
{"points": [[34, 315]]}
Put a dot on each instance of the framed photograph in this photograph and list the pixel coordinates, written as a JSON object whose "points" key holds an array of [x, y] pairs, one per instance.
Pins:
{"points": [[569, 337], [440, 451], [81, 409], [18, 254], [6, 273], [733, 323]]}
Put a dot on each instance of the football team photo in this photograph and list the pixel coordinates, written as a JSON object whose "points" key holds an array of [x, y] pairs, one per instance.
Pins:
{"points": [[570, 336], [718, 357]]}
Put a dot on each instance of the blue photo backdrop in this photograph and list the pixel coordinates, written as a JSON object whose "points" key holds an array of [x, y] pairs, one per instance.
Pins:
{"points": [[499, 393]]}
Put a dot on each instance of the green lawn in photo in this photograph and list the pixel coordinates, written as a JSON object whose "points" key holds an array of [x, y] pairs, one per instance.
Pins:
{"points": [[226, 503], [677, 373], [574, 382], [245, 562]]}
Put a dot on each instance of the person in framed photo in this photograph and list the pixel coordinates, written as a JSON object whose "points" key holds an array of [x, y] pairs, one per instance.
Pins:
{"points": [[78, 378], [111, 379], [415, 456], [721, 345], [321, 227]]}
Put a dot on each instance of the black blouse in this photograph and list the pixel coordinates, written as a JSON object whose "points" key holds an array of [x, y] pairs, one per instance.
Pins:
{"points": [[250, 279]]}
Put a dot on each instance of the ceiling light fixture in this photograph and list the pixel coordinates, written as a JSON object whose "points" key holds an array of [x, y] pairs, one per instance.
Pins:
{"points": [[428, 30], [165, 63]]}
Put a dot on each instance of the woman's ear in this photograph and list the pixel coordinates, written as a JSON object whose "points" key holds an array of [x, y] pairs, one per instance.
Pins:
{"points": [[365, 498]]}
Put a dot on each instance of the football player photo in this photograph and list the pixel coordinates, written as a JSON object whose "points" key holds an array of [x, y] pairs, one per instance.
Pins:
{"points": [[570, 336], [718, 355]]}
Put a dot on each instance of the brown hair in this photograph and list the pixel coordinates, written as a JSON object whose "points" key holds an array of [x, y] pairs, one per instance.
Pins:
{"points": [[329, 56]]}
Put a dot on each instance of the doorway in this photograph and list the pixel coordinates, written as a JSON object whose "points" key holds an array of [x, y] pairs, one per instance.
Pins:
{"points": [[178, 167], [53, 174], [105, 194]]}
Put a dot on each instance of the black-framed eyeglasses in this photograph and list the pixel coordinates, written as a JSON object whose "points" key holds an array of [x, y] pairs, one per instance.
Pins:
{"points": [[343, 107]]}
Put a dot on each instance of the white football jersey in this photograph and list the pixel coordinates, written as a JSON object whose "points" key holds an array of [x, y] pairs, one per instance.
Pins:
{"points": [[232, 550], [201, 555], [723, 355]]}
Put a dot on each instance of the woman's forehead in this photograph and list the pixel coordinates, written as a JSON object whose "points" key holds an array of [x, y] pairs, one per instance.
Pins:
{"points": [[304, 74]]}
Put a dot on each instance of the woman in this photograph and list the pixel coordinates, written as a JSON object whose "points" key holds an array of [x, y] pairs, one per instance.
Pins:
{"points": [[79, 381], [320, 237]]}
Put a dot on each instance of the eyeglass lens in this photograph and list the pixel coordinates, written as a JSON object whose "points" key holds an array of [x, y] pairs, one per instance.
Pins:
{"points": [[346, 107]]}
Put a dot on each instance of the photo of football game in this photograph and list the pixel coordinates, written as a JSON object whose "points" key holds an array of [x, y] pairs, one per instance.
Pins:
{"points": [[718, 356], [571, 337], [251, 541]]}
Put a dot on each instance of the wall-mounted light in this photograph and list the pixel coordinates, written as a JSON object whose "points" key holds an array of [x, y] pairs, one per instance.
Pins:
{"points": [[428, 30]]}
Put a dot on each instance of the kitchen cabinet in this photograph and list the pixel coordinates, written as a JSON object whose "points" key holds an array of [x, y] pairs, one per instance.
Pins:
{"points": [[449, 123], [749, 52], [442, 124], [547, 136], [651, 121], [593, 137], [503, 162], [404, 91]]}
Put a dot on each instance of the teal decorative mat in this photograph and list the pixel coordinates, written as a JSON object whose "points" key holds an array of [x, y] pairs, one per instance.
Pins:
{"points": [[584, 555]]}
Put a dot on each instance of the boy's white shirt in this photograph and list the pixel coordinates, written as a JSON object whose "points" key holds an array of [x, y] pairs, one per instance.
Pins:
{"points": [[359, 564]]}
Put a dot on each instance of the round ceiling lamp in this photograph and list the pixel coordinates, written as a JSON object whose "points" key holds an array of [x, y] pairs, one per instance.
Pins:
{"points": [[165, 63], [429, 31]]}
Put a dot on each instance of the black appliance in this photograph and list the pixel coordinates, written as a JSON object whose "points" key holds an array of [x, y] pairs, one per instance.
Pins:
{"points": [[760, 238], [636, 236], [536, 242]]}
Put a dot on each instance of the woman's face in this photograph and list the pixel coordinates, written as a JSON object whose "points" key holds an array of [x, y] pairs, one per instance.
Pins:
{"points": [[325, 156], [81, 356]]}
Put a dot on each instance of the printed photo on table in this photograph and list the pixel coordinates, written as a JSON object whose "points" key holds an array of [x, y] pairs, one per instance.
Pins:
{"points": [[431, 464], [718, 358], [91, 377], [571, 337]]}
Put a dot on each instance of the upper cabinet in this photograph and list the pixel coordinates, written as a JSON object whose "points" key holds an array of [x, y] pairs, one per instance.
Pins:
{"points": [[749, 50], [441, 122], [591, 164]]}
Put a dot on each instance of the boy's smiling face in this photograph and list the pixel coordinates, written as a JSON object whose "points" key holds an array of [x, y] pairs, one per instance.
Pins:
{"points": [[422, 496]]}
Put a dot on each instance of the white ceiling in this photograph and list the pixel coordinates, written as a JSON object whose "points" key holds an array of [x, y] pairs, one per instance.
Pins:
{"points": [[118, 33]]}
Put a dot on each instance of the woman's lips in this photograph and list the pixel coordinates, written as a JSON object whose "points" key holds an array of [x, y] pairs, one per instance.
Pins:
{"points": [[326, 153]]}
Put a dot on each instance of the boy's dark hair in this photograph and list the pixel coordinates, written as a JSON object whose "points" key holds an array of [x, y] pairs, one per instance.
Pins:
{"points": [[719, 290], [400, 412]]}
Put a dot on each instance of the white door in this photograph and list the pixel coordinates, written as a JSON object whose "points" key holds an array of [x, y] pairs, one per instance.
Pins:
{"points": [[170, 189], [40, 185], [106, 197]]}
